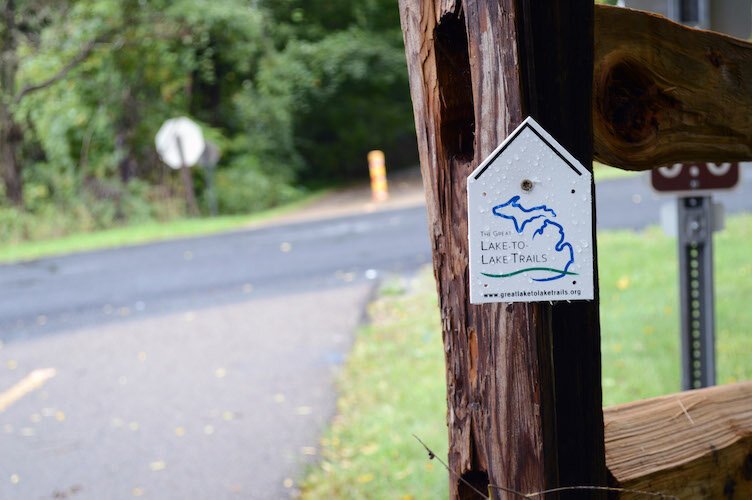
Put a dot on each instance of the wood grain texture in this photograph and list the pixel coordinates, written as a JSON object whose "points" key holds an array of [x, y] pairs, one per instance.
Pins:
{"points": [[477, 68], [665, 93], [694, 444]]}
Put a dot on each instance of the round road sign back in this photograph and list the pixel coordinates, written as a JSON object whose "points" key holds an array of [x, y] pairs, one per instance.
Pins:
{"points": [[180, 134]]}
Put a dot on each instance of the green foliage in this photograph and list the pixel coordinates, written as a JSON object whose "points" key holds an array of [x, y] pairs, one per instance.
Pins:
{"points": [[97, 206], [245, 187], [352, 96], [291, 91], [369, 451]]}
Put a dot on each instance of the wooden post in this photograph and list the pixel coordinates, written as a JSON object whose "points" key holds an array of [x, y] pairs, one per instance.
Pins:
{"points": [[523, 380]]}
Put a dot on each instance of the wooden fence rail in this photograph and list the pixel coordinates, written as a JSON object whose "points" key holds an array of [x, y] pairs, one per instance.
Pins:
{"points": [[665, 93], [693, 444]]}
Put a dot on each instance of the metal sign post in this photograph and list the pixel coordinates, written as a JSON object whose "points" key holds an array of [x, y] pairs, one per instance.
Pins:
{"points": [[695, 240], [209, 159], [696, 219], [190, 195], [180, 143]]}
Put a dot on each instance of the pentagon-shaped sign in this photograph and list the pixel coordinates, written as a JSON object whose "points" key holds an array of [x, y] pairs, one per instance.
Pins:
{"points": [[530, 226]]}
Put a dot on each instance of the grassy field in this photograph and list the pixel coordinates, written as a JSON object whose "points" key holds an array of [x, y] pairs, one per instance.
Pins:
{"points": [[393, 384], [144, 233]]}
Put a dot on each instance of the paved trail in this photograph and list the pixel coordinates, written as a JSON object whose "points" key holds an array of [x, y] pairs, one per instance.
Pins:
{"points": [[194, 369]]}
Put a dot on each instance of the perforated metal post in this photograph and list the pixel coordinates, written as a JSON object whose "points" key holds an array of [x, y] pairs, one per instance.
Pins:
{"points": [[695, 217]]}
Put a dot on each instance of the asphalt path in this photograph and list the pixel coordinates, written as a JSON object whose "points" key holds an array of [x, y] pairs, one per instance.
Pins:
{"points": [[630, 203], [204, 367], [199, 368]]}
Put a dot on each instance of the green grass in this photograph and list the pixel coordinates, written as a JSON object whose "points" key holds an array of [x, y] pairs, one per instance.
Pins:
{"points": [[639, 317], [393, 385], [603, 172], [142, 233]]}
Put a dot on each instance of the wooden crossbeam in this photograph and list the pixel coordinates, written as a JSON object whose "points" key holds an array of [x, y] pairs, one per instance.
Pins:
{"points": [[664, 93], [694, 444]]}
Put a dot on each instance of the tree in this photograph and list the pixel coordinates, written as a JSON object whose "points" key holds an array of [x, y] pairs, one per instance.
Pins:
{"points": [[292, 91], [25, 20], [342, 66]]}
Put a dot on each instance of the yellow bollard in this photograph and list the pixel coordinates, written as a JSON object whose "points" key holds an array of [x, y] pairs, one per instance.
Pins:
{"points": [[377, 169]]}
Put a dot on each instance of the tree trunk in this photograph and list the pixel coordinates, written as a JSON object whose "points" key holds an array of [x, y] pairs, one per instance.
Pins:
{"points": [[10, 132], [477, 69], [10, 138]]}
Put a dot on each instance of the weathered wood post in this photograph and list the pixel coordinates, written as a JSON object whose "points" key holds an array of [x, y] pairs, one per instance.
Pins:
{"points": [[523, 380]]}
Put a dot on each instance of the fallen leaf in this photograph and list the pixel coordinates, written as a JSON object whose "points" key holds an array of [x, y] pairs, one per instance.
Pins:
{"points": [[623, 283], [158, 465], [365, 478], [369, 449], [303, 410]]}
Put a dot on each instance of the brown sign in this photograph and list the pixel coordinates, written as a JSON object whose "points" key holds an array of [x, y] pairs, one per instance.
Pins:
{"points": [[691, 177]]}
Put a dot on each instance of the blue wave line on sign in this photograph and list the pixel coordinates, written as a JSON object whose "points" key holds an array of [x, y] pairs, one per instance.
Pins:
{"points": [[560, 246]]}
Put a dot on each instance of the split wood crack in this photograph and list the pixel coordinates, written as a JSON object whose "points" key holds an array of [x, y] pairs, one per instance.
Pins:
{"points": [[432, 455]]}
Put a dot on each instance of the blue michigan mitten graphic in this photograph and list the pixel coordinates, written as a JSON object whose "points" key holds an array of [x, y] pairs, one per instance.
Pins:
{"points": [[536, 223]]}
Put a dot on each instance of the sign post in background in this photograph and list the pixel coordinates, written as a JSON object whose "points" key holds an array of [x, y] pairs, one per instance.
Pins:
{"points": [[696, 219], [180, 144]]}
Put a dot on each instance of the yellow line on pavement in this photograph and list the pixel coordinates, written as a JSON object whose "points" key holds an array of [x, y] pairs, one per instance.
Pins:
{"points": [[29, 383]]}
